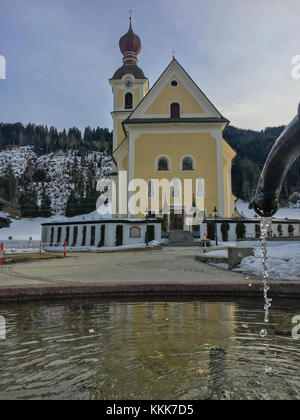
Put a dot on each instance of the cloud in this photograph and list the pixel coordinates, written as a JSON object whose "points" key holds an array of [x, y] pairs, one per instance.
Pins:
{"points": [[61, 53]]}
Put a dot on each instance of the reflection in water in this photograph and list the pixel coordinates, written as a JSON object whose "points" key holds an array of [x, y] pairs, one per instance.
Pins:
{"points": [[148, 350]]}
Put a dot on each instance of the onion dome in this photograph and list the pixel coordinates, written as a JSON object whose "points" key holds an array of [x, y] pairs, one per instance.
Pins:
{"points": [[130, 46]]}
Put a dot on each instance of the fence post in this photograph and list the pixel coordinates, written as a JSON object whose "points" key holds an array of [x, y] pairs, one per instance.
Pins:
{"points": [[65, 249], [1, 253]]}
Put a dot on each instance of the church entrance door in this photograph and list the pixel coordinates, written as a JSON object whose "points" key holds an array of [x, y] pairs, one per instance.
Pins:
{"points": [[176, 219]]}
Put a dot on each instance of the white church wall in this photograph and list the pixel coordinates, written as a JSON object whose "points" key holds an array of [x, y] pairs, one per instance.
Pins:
{"points": [[110, 234]]}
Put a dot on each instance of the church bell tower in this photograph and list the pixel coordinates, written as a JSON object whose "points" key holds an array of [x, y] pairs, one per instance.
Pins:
{"points": [[129, 84]]}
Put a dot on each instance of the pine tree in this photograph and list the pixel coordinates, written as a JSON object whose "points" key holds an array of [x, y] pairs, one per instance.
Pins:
{"points": [[29, 204], [73, 205], [45, 209]]}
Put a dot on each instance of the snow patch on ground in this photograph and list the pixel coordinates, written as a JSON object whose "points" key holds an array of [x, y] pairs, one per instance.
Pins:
{"points": [[151, 244], [283, 261], [218, 253]]}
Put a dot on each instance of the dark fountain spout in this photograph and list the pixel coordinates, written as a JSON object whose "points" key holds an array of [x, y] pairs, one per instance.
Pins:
{"points": [[281, 157]]}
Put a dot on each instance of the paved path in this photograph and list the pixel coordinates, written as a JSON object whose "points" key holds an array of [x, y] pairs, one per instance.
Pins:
{"points": [[166, 269], [168, 264]]}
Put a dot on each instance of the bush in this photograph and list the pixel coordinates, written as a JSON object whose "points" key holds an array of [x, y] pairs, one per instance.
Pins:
{"points": [[211, 231], [52, 236], [119, 235], [240, 230], [75, 234], [150, 233], [279, 228], [291, 230], [83, 236], [102, 237], [225, 229], [67, 235], [59, 236], [93, 232], [165, 223], [257, 231]]}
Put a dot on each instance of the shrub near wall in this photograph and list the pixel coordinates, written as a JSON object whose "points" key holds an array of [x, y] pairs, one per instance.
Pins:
{"points": [[93, 234], [257, 231], [240, 230], [150, 233], [83, 236], [279, 228], [211, 231], [119, 235], [225, 229], [75, 234], [59, 236], [67, 235], [102, 237], [291, 230]]}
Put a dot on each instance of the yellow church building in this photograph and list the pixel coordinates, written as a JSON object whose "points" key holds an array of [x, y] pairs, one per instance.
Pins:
{"points": [[172, 132]]}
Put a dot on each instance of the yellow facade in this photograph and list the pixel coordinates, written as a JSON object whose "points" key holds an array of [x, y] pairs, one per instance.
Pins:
{"points": [[169, 94], [175, 146], [150, 133]]}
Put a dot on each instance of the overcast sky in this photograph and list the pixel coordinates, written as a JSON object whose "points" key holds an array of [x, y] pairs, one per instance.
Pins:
{"points": [[61, 53]]}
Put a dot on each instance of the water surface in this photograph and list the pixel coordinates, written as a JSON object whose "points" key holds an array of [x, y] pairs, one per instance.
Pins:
{"points": [[104, 349]]}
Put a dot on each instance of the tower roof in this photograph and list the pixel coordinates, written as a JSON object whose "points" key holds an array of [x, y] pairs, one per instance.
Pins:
{"points": [[130, 46]]}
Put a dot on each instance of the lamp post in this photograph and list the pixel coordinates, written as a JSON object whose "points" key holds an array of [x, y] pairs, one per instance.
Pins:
{"points": [[147, 239], [216, 225]]}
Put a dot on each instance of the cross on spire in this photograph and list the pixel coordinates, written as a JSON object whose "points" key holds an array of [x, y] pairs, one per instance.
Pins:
{"points": [[130, 14], [173, 53]]}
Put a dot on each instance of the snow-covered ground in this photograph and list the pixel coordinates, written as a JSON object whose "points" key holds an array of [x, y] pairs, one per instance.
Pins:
{"points": [[283, 261], [151, 244], [23, 229], [291, 213]]}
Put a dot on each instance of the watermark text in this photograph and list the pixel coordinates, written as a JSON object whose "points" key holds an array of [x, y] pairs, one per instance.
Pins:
{"points": [[2, 67], [2, 328], [296, 329], [296, 67]]}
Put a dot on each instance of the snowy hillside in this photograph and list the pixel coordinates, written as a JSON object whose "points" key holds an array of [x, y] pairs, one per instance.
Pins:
{"points": [[57, 168]]}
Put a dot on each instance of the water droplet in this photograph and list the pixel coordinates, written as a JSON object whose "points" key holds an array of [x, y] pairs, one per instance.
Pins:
{"points": [[263, 332]]}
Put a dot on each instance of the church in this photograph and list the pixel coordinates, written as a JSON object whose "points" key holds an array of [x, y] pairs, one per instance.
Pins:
{"points": [[169, 132]]}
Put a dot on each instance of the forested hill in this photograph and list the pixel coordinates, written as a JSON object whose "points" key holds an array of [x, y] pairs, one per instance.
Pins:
{"points": [[48, 140], [252, 149], [48, 171]]}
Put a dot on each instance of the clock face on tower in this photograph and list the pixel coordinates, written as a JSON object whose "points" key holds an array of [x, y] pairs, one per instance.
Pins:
{"points": [[128, 84]]}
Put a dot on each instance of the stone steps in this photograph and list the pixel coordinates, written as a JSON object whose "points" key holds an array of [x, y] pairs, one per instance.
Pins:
{"points": [[181, 238]]}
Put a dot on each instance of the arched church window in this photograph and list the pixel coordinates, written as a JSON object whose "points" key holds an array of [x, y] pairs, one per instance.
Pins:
{"points": [[163, 164], [128, 100], [187, 164], [175, 110]]}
